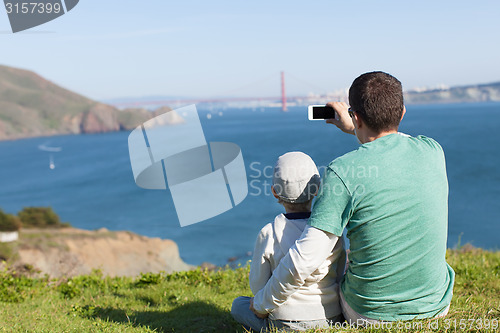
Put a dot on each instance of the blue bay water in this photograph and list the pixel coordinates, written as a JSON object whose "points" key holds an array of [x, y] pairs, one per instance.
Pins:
{"points": [[92, 184]]}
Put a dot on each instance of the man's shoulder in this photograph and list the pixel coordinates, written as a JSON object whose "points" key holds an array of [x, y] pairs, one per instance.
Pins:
{"points": [[430, 142], [346, 160], [357, 156]]}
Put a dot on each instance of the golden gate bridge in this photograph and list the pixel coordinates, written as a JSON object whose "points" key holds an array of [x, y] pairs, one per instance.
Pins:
{"points": [[283, 99]]}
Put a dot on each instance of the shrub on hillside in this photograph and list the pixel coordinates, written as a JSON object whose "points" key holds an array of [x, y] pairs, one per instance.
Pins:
{"points": [[9, 222], [40, 217]]}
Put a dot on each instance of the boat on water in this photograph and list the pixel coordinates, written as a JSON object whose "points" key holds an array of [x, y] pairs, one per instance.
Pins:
{"points": [[52, 165]]}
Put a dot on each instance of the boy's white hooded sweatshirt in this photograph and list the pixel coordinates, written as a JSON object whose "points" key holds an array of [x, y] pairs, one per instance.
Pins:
{"points": [[319, 297]]}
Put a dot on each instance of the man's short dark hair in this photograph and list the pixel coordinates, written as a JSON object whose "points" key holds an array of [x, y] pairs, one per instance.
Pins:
{"points": [[377, 98]]}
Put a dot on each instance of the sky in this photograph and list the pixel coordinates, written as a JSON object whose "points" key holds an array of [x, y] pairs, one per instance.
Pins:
{"points": [[107, 49]]}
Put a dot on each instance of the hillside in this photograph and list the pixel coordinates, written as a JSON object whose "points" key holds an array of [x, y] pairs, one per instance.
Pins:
{"points": [[32, 106], [69, 252], [464, 94]]}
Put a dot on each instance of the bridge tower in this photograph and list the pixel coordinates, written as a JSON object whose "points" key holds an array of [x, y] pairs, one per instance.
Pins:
{"points": [[283, 94]]}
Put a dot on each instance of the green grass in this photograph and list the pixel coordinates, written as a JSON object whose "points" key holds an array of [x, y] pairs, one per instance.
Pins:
{"points": [[200, 301], [7, 250]]}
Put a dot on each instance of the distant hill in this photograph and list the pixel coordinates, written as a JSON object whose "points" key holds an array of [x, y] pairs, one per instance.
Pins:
{"points": [[32, 106], [464, 94]]}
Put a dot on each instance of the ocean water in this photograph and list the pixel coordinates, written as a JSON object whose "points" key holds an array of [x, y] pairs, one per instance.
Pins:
{"points": [[92, 185]]}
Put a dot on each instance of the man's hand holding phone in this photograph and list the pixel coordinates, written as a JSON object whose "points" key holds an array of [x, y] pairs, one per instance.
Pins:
{"points": [[342, 118]]}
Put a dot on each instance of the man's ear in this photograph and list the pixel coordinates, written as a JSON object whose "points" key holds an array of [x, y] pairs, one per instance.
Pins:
{"points": [[274, 192], [404, 112], [358, 121]]}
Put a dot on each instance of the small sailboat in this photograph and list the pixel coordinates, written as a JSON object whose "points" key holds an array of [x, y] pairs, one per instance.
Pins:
{"points": [[51, 150], [52, 165]]}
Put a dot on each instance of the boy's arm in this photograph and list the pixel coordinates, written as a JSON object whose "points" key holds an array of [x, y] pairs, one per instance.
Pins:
{"points": [[260, 267], [304, 257]]}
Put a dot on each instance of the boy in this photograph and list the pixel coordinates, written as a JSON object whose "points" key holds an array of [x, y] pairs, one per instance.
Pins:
{"points": [[295, 183]]}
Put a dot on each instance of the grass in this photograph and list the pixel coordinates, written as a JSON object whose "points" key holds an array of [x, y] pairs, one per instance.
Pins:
{"points": [[200, 301], [7, 250]]}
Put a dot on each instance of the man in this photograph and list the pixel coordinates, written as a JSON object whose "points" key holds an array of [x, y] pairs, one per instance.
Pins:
{"points": [[392, 196]]}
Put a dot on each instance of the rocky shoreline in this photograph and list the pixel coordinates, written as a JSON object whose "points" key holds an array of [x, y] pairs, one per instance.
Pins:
{"points": [[67, 252]]}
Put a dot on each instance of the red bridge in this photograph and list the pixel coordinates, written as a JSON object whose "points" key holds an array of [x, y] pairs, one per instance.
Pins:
{"points": [[283, 99]]}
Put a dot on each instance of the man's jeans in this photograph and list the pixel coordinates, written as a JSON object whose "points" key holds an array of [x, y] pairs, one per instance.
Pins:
{"points": [[241, 313]]}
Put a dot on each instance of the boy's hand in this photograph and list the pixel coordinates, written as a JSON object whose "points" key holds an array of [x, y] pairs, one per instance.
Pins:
{"points": [[260, 315], [342, 119]]}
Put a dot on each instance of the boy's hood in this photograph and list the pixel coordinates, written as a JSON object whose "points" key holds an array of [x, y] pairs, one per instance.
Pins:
{"points": [[287, 231]]}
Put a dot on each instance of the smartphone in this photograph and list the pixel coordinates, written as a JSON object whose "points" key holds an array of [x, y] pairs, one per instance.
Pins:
{"points": [[320, 112]]}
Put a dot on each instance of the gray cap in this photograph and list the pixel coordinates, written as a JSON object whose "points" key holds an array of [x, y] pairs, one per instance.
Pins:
{"points": [[296, 177]]}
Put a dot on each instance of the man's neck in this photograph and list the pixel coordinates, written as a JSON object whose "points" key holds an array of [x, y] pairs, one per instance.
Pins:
{"points": [[372, 136]]}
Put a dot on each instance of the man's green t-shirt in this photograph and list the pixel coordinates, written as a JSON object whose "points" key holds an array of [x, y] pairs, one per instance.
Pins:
{"points": [[392, 196]]}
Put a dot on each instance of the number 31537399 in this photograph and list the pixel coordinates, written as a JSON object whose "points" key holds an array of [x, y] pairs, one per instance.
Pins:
{"points": [[33, 8]]}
